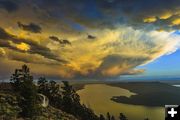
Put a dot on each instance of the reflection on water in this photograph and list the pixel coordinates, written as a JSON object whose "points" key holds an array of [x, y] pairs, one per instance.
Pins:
{"points": [[176, 85], [97, 97]]}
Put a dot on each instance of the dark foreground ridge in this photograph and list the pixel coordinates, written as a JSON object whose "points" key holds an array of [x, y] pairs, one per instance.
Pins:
{"points": [[148, 94], [22, 99]]}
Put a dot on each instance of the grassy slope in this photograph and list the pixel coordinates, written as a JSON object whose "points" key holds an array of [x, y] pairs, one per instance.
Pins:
{"points": [[9, 109]]}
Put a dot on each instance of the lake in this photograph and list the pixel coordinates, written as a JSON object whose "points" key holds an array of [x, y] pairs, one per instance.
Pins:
{"points": [[97, 97]]}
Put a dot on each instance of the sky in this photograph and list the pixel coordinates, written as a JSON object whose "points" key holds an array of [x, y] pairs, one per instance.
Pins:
{"points": [[90, 39], [163, 68]]}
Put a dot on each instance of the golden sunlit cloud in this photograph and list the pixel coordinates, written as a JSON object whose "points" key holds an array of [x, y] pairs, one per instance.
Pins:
{"points": [[2, 52], [129, 48], [176, 21], [165, 15], [114, 52], [150, 19], [23, 46]]}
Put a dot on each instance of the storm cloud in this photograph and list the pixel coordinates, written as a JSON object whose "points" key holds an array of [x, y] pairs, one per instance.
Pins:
{"points": [[144, 14], [8, 5], [122, 35], [31, 27], [91, 37], [62, 42], [114, 65], [7, 40]]}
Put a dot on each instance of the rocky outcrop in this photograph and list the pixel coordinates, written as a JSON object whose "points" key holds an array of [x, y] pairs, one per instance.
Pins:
{"points": [[44, 100]]}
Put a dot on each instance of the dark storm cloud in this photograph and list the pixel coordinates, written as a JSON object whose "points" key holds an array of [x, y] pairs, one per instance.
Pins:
{"points": [[100, 13], [6, 44], [109, 13], [124, 64], [8, 5], [115, 65], [54, 38], [31, 27], [91, 37], [62, 42], [4, 36], [35, 48], [65, 42], [133, 12], [118, 48], [26, 58]]}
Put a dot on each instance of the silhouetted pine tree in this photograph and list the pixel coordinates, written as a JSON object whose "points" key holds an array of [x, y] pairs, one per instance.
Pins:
{"points": [[101, 117], [108, 116], [22, 83], [43, 85], [66, 99], [112, 117], [70, 98], [51, 90], [122, 117]]}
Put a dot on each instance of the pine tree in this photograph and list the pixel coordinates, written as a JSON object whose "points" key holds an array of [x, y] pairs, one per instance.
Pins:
{"points": [[22, 83], [71, 104], [112, 117], [70, 98], [101, 117], [51, 90], [108, 116], [42, 85], [122, 117]]}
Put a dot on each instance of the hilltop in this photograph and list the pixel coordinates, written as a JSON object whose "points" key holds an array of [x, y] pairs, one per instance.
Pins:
{"points": [[22, 99], [9, 104]]}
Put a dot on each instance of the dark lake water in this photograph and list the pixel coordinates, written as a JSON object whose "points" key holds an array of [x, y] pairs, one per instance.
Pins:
{"points": [[97, 97]]}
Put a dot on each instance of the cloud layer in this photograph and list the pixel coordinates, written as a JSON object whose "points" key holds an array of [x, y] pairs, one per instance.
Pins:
{"points": [[87, 38], [8, 5], [32, 27], [22, 45]]}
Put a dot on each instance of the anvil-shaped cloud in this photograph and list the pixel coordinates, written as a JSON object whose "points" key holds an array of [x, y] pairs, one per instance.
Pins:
{"points": [[104, 38]]}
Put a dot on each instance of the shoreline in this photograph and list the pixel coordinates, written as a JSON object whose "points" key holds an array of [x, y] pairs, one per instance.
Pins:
{"points": [[151, 94]]}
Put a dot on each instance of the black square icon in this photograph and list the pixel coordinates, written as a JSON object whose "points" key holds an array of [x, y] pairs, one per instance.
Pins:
{"points": [[172, 112]]}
